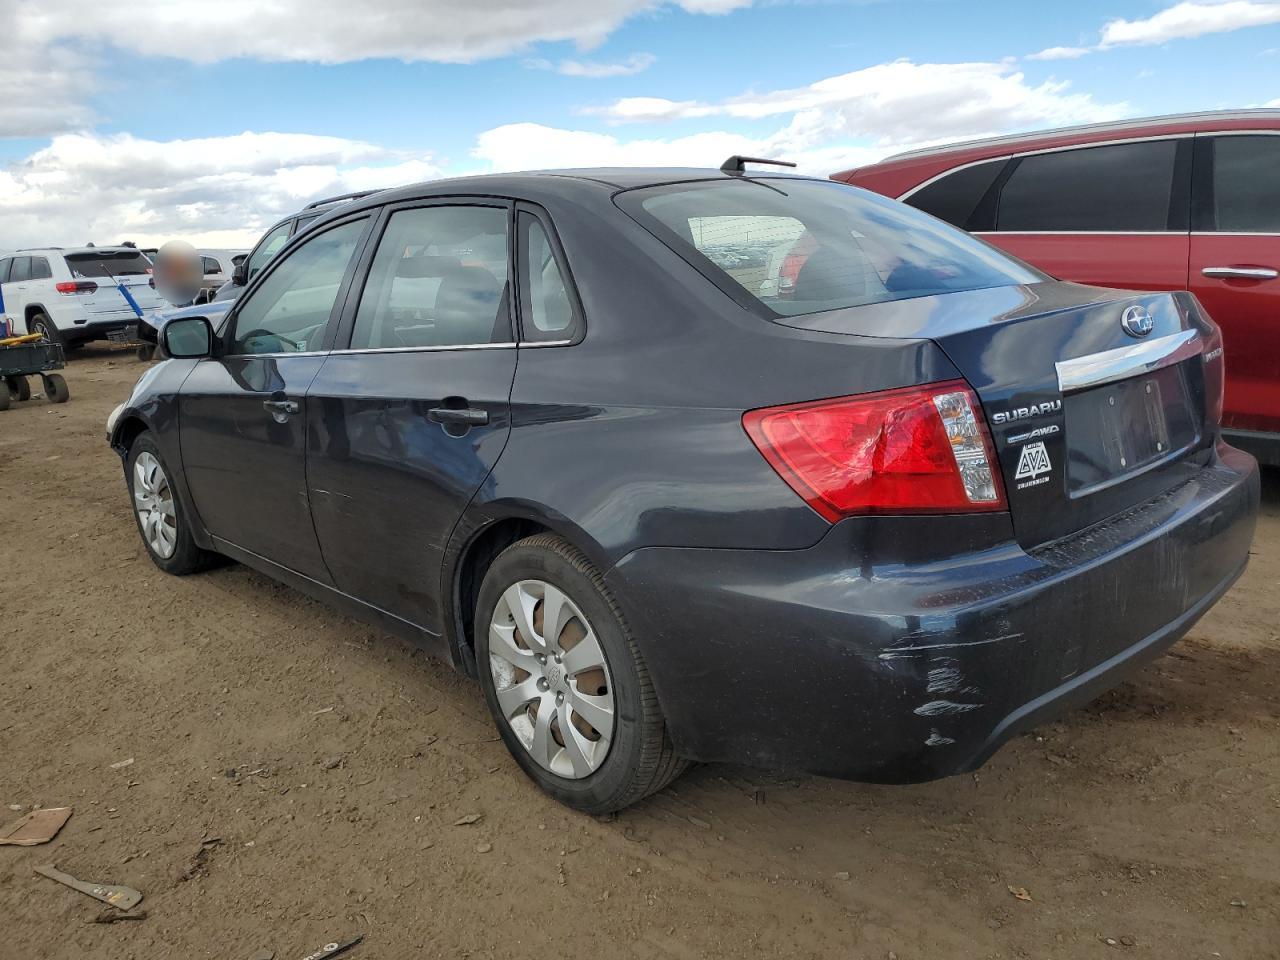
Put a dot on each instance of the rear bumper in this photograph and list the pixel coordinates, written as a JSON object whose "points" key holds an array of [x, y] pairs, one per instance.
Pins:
{"points": [[1262, 446], [829, 661], [100, 327]]}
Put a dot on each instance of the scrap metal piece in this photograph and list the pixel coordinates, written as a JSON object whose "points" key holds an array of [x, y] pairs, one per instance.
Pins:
{"points": [[333, 949], [120, 897], [38, 826]]}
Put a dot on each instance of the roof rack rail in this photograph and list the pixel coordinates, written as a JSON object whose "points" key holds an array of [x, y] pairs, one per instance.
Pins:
{"points": [[28, 249], [345, 196], [737, 164]]}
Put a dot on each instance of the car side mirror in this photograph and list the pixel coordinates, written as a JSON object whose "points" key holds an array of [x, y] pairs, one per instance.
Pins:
{"points": [[188, 338], [240, 275]]}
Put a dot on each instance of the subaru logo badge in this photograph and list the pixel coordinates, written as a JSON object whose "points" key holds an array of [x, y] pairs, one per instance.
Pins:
{"points": [[1137, 321]]}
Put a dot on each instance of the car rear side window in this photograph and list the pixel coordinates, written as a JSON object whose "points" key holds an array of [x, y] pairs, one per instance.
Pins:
{"points": [[1246, 184], [40, 269], [786, 247], [439, 279], [547, 309], [1124, 187], [288, 311], [955, 196], [125, 263], [210, 265]]}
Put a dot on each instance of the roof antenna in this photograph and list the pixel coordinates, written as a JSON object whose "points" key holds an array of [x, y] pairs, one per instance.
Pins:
{"points": [[737, 164]]}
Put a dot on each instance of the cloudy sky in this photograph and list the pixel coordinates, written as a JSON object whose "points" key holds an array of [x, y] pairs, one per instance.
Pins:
{"points": [[208, 121]]}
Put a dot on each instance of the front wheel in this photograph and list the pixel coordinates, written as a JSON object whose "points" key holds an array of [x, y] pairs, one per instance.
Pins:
{"points": [[565, 681], [161, 518]]}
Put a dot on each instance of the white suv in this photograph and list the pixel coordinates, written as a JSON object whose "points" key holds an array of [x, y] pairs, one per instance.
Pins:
{"points": [[72, 296]]}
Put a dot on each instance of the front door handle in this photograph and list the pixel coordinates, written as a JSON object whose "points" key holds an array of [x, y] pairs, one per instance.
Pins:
{"points": [[466, 416], [281, 410], [1241, 273]]}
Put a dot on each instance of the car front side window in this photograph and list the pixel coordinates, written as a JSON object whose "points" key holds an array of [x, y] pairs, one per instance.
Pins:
{"points": [[289, 310]]}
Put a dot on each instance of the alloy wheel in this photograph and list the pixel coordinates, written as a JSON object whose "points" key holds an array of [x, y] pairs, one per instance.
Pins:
{"points": [[551, 678], [153, 499]]}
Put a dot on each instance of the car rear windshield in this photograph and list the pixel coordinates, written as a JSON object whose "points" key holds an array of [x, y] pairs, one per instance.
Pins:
{"points": [[107, 263], [787, 247]]}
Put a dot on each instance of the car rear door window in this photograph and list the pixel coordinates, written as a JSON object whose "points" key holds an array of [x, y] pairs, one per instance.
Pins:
{"points": [[288, 311], [438, 279], [547, 304], [1246, 184], [1124, 187], [21, 270], [955, 196], [40, 269]]}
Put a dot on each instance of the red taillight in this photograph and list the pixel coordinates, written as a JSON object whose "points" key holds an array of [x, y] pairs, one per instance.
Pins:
{"points": [[76, 286], [914, 450]]}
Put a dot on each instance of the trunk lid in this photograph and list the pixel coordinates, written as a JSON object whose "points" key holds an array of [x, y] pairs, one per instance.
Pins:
{"points": [[1087, 419]]}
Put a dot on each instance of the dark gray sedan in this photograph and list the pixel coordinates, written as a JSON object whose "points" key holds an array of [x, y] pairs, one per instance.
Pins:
{"points": [[705, 465]]}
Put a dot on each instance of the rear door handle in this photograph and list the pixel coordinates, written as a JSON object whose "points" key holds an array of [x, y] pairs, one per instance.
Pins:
{"points": [[1241, 273], [281, 408], [468, 416]]}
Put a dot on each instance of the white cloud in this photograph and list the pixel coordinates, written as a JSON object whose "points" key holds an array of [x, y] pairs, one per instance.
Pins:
{"points": [[891, 103], [636, 63], [211, 191], [1059, 53], [43, 91], [1272, 103], [1190, 19], [339, 31]]}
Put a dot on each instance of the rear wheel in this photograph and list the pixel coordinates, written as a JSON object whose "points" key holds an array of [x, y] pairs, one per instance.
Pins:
{"points": [[565, 681], [55, 388], [41, 324], [19, 388], [161, 518]]}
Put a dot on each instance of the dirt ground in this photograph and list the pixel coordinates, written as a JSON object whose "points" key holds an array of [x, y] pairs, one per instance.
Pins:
{"points": [[332, 761]]}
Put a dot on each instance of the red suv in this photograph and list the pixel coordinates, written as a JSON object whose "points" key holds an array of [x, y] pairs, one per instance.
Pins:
{"points": [[1170, 203]]}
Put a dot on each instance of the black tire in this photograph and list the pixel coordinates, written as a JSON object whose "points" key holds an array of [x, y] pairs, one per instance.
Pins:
{"points": [[41, 324], [187, 557], [146, 351], [55, 388], [4, 399], [641, 758], [19, 388]]}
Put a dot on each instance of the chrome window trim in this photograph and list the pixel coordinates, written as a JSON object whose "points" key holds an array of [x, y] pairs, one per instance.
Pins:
{"points": [[442, 349], [1109, 366]]}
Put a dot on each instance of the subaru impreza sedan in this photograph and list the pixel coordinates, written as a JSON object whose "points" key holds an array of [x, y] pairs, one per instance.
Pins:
{"points": [[561, 430]]}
